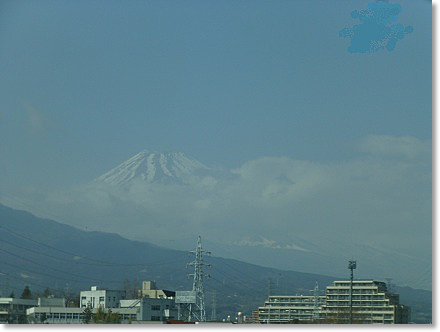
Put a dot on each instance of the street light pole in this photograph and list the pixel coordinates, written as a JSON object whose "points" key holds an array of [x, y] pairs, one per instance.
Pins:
{"points": [[351, 266]]}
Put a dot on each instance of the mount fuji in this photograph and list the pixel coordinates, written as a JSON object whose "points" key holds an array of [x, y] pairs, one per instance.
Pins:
{"points": [[155, 167], [253, 213]]}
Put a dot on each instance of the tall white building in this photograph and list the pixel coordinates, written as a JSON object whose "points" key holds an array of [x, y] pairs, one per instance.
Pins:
{"points": [[105, 298], [372, 303]]}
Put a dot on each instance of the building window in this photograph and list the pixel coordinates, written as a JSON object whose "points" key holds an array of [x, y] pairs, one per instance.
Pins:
{"points": [[155, 307], [155, 318], [101, 299]]}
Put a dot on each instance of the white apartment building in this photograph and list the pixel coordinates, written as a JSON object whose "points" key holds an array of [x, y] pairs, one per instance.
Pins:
{"points": [[285, 309], [372, 303]]}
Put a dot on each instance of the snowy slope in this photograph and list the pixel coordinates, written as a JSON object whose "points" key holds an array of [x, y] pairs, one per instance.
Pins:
{"points": [[155, 167]]}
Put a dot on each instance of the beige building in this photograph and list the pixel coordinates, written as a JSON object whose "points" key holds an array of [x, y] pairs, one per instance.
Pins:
{"points": [[149, 289]]}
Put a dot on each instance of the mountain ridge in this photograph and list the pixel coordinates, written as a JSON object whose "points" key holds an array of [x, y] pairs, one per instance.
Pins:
{"points": [[59, 254]]}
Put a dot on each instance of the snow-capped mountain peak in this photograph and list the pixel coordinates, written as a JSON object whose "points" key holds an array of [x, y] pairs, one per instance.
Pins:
{"points": [[154, 167]]}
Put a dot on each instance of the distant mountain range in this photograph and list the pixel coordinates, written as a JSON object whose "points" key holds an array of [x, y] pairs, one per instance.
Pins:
{"points": [[43, 253]]}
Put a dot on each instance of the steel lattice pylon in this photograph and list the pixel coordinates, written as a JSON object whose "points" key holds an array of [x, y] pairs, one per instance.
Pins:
{"points": [[197, 310]]}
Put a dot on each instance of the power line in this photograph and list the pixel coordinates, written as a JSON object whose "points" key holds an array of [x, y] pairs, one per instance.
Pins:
{"points": [[51, 275], [242, 273], [95, 261], [28, 282], [236, 279], [85, 263]]}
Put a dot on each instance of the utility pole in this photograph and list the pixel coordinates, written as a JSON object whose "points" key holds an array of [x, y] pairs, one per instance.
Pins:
{"points": [[351, 266], [197, 309]]}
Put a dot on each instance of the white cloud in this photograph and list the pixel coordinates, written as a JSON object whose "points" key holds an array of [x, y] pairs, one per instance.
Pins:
{"points": [[404, 146], [380, 202], [270, 196]]}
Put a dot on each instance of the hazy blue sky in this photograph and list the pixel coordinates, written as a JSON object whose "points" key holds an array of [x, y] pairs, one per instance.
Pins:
{"points": [[327, 141], [86, 84]]}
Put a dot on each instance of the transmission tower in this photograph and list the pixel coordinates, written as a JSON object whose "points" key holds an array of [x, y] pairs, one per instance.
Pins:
{"points": [[197, 310]]}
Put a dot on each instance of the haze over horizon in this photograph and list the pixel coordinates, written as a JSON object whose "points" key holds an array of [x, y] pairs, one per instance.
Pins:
{"points": [[310, 142]]}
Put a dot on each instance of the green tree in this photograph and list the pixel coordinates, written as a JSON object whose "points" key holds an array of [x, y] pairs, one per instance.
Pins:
{"points": [[99, 316], [43, 318], [102, 317], [87, 314], [47, 292], [113, 317], [26, 293]]}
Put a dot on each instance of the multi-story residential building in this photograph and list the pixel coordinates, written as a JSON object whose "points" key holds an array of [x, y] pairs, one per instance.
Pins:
{"points": [[253, 318], [286, 309], [372, 303]]}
